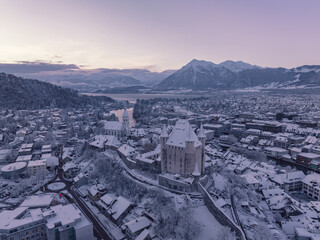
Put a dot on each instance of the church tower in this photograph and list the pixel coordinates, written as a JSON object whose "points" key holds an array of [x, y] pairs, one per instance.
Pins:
{"points": [[125, 122]]}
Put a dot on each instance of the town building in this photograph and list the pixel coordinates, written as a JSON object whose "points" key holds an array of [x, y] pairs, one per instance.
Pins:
{"points": [[135, 227], [67, 223], [56, 222], [13, 169], [290, 182], [37, 168], [311, 186], [309, 159]]}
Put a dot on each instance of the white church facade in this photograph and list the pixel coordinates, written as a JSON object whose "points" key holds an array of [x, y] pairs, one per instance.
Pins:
{"points": [[117, 128]]}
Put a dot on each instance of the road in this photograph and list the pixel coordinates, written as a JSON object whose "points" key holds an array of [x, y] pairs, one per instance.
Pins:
{"points": [[237, 215], [98, 230]]}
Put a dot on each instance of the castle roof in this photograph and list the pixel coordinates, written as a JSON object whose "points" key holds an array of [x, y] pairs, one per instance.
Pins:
{"points": [[181, 133]]}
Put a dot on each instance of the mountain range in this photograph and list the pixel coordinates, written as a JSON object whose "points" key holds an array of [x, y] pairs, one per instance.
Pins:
{"points": [[199, 75], [196, 75]]}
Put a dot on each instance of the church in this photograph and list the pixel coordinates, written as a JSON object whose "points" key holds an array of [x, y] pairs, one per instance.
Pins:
{"points": [[118, 129]]}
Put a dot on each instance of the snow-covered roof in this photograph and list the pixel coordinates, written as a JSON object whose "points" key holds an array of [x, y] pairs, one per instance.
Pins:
{"points": [[37, 163], [141, 158], [312, 179], [143, 235], [79, 177], [108, 199], [52, 161], [113, 125], [156, 151], [41, 200], [112, 141], [276, 149], [98, 141], [181, 133], [68, 165], [24, 158], [126, 150], [311, 140], [295, 149], [138, 224], [250, 179], [289, 177], [119, 207], [18, 217], [268, 193], [64, 215], [13, 166], [96, 189], [309, 155]]}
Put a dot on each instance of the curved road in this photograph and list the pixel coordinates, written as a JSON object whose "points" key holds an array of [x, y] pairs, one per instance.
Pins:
{"points": [[99, 231]]}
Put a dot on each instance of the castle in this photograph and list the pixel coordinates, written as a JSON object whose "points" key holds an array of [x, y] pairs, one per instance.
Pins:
{"points": [[183, 151]]}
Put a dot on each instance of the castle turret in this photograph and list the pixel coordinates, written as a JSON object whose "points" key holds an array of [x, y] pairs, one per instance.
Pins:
{"points": [[163, 139], [190, 140], [201, 134], [196, 172], [202, 138]]}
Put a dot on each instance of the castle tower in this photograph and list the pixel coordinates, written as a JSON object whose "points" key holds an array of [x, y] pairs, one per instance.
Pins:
{"points": [[189, 141], [202, 138], [163, 139], [190, 151]]}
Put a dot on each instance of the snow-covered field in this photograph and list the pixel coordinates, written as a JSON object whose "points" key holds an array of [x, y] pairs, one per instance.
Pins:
{"points": [[209, 225]]}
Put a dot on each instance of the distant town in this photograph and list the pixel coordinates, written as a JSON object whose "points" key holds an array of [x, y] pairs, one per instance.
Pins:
{"points": [[238, 165]]}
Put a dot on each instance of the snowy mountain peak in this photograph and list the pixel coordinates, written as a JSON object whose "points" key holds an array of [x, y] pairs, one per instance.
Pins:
{"points": [[199, 64], [237, 66]]}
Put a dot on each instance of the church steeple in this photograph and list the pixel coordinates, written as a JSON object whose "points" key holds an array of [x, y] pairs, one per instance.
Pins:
{"points": [[125, 122], [125, 118]]}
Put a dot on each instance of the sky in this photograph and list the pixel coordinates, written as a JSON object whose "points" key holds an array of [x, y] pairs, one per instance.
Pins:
{"points": [[160, 35]]}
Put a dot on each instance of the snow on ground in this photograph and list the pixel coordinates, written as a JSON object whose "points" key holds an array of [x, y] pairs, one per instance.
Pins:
{"points": [[220, 182], [209, 225]]}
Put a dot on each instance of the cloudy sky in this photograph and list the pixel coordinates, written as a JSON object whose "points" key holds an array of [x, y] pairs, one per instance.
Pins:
{"points": [[160, 35]]}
